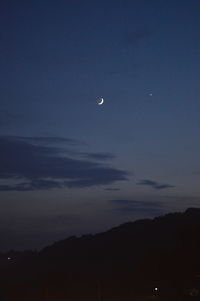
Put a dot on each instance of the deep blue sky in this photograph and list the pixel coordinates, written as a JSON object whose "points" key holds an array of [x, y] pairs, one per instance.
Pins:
{"points": [[69, 166]]}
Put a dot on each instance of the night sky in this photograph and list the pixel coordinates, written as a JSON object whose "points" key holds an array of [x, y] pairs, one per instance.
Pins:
{"points": [[69, 166]]}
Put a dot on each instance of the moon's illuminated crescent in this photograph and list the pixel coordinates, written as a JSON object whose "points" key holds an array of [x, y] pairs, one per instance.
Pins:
{"points": [[101, 101]]}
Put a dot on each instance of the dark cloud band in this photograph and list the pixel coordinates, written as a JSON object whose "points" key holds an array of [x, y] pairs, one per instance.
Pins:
{"points": [[155, 184], [43, 167]]}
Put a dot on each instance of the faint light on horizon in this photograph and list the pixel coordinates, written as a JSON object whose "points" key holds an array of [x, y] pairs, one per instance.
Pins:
{"points": [[9, 258]]}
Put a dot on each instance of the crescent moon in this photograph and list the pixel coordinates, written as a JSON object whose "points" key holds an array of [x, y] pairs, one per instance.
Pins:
{"points": [[101, 101]]}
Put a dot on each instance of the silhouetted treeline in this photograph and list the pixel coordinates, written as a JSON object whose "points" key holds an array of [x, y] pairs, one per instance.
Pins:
{"points": [[143, 260]]}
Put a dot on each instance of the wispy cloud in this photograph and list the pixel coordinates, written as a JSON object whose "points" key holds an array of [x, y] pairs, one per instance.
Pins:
{"points": [[154, 184], [43, 167]]}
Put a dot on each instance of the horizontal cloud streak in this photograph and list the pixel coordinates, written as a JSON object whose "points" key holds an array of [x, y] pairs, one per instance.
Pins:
{"points": [[43, 167], [155, 184]]}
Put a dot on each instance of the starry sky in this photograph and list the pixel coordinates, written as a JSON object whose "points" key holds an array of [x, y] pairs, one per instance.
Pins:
{"points": [[69, 166]]}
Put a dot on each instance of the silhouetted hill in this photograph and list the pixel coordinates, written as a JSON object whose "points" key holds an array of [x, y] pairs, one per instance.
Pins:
{"points": [[124, 263]]}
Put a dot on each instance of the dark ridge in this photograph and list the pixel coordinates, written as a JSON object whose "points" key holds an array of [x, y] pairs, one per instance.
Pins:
{"points": [[124, 263]]}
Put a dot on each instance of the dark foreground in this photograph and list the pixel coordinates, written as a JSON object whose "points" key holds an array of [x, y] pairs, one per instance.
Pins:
{"points": [[155, 259]]}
